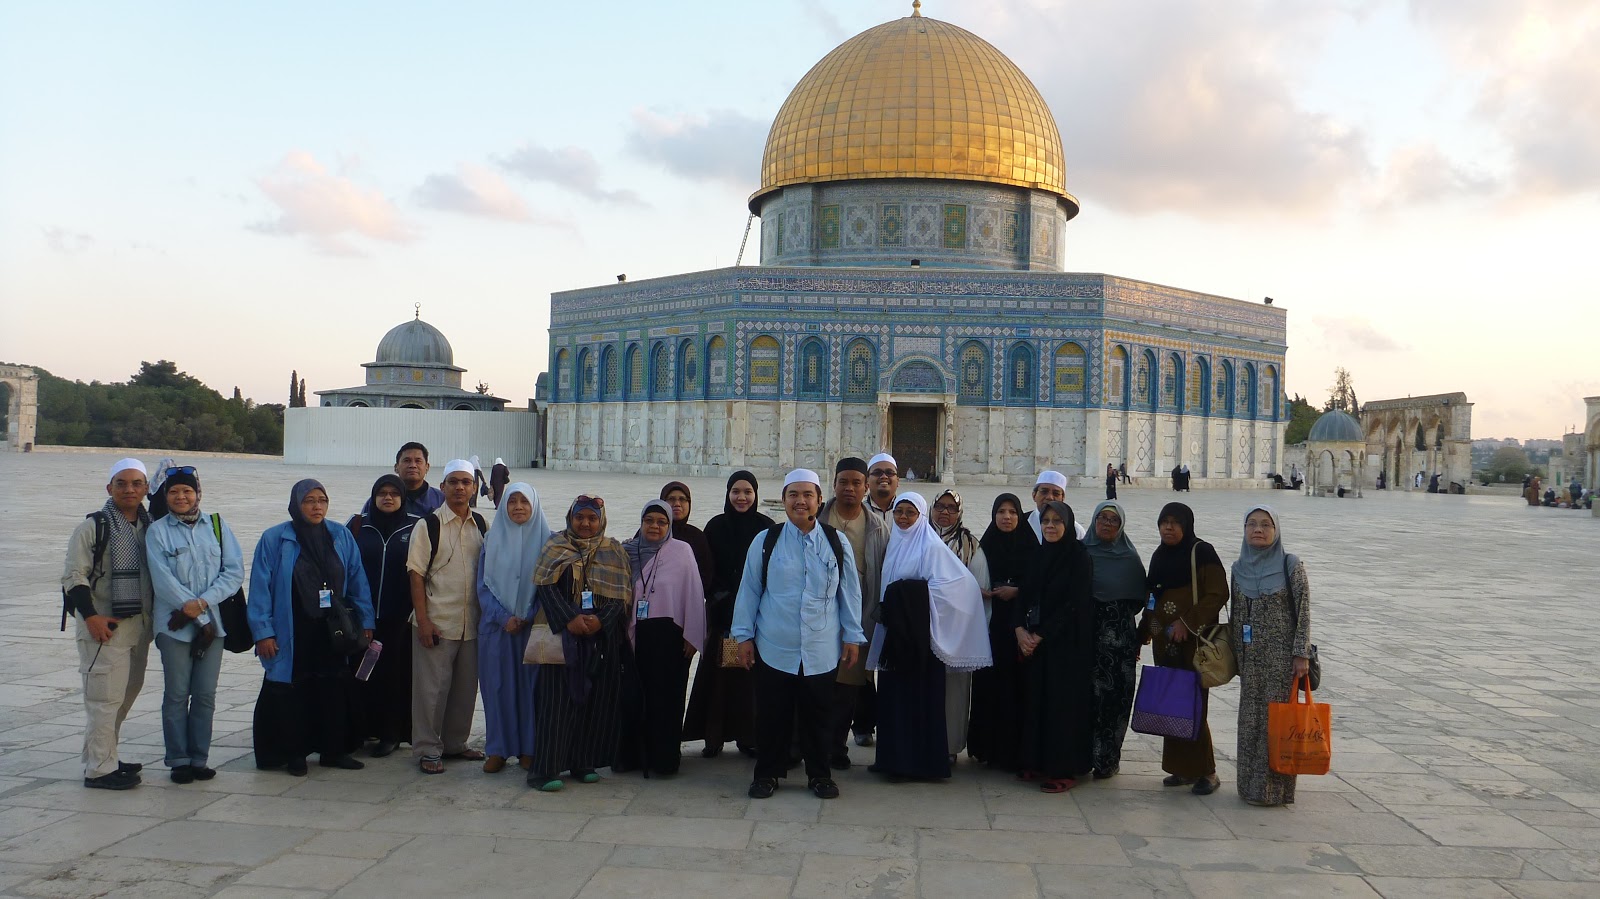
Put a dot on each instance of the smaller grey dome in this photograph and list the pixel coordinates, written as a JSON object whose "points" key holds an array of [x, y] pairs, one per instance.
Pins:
{"points": [[415, 343], [1336, 427]]}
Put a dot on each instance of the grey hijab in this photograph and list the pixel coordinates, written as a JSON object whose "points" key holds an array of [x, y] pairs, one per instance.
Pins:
{"points": [[1118, 570], [640, 550], [1260, 571]]}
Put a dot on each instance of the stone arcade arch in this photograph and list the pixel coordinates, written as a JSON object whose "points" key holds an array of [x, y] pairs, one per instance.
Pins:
{"points": [[22, 406]]}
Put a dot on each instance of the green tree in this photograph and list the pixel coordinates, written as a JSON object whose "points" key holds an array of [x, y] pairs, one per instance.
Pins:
{"points": [[1342, 395], [1510, 462], [1301, 416], [159, 407]]}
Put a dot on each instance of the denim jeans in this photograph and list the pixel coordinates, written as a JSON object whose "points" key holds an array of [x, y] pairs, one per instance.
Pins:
{"points": [[189, 700]]}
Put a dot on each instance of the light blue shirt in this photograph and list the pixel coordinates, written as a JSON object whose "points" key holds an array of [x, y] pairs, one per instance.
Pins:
{"points": [[189, 562], [808, 610]]}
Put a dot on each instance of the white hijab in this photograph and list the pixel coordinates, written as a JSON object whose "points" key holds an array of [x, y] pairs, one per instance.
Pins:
{"points": [[511, 550], [960, 636]]}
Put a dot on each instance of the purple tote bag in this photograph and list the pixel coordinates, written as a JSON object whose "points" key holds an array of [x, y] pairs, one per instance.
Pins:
{"points": [[1169, 703]]}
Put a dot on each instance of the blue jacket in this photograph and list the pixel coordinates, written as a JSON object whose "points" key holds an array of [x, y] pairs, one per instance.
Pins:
{"points": [[189, 562], [271, 603]]}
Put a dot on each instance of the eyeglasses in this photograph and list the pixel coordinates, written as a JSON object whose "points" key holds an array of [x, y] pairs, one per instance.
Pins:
{"points": [[1259, 525], [314, 501], [585, 499], [1108, 518], [883, 473], [945, 507], [179, 469]]}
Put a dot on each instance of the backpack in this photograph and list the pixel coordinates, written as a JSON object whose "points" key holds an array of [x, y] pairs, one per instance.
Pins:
{"points": [[771, 543], [102, 536], [433, 537]]}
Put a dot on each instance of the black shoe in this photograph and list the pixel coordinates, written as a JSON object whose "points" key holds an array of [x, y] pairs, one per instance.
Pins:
{"points": [[749, 751], [383, 748], [183, 774], [116, 780], [201, 772], [1205, 786], [347, 762], [296, 767], [710, 752], [824, 788], [129, 767], [1105, 773], [762, 788], [863, 739], [840, 762], [1173, 780]]}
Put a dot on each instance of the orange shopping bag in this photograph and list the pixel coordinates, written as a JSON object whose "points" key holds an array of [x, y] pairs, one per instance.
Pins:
{"points": [[1299, 735]]}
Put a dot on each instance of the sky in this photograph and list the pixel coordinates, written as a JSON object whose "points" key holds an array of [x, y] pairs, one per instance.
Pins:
{"points": [[247, 189]]}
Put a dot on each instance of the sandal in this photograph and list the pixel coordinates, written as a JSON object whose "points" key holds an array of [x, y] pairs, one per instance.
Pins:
{"points": [[431, 766], [1058, 785], [1173, 780], [1205, 786], [550, 786], [1025, 774], [466, 755]]}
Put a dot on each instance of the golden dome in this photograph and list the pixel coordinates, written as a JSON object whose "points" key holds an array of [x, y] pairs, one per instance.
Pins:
{"points": [[915, 98]]}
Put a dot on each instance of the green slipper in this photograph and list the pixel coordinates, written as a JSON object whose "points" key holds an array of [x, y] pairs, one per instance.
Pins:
{"points": [[552, 786]]}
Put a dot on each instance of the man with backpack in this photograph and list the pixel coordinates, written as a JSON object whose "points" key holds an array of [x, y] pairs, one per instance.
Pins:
{"points": [[797, 619], [106, 584], [442, 563], [855, 700]]}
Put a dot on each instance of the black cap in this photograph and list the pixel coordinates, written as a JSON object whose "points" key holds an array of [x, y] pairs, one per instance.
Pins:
{"points": [[850, 463]]}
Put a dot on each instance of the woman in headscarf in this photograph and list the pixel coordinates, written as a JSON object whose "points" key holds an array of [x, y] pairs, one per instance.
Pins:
{"points": [[947, 512], [499, 477], [668, 628], [1180, 603], [1008, 545], [720, 704], [1118, 597], [676, 496], [1271, 625], [584, 592], [310, 612], [505, 603], [1111, 482], [931, 622], [383, 701], [1054, 627], [480, 485]]}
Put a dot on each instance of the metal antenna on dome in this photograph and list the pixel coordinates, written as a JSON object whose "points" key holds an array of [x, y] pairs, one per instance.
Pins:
{"points": [[419, 311]]}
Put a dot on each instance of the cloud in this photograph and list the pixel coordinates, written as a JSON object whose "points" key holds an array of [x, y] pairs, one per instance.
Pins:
{"points": [[721, 145], [573, 168], [1535, 67], [1422, 173], [1355, 333], [67, 243], [1196, 114], [326, 209], [472, 190]]}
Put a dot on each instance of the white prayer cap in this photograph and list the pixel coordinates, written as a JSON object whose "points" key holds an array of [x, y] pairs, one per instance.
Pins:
{"points": [[499, 461], [883, 457], [129, 464], [1053, 478], [803, 476], [455, 466]]}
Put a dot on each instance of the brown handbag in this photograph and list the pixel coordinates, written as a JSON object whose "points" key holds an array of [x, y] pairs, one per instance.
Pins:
{"points": [[1214, 660], [729, 653]]}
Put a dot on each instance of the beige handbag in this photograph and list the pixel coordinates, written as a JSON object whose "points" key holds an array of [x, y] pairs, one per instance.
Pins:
{"points": [[1214, 660], [729, 657], [544, 647]]}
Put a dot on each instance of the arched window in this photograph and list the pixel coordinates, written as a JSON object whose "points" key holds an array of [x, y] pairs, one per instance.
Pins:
{"points": [[973, 376], [1194, 387], [765, 356], [813, 369], [610, 378], [1117, 378], [689, 379], [584, 388], [660, 373], [1171, 389], [1270, 382], [1222, 394], [1422, 441], [861, 371], [1246, 398], [1069, 378], [563, 379], [357, 404], [1019, 374], [717, 367], [635, 373], [462, 407], [1438, 438], [1143, 393]]}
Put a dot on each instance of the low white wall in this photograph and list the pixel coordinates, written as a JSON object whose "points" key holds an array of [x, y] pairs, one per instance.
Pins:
{"points": [[342, 435]]}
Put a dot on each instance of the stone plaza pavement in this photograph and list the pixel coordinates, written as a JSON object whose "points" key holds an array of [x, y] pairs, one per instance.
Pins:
{"points": [[1458, 658]]}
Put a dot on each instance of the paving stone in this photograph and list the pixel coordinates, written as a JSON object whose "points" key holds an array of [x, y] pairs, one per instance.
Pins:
{"points": [[1434, 861], [1230, 885], [1017, 846], [284, 812], [1463, 828], [421, 818], [474, 866], [212, 842], [354, 844], [938, 878], [647, 830], [1441, 888], [829, 876], [1549, 889], [648, 884], [1239, 855], [673, 858], [309, 872], [835, 839], [72, 837]]}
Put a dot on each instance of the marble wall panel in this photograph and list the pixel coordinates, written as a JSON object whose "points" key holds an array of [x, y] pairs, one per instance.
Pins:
{"points": [[860, 424]]}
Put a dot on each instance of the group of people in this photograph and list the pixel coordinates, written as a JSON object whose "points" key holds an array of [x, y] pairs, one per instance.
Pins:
{"points": [[864, 610], [1574, 496]]}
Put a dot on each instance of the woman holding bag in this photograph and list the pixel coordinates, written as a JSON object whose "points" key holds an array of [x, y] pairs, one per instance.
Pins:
{"points": [[1187, 589], [1271, 626], [505, 604]]}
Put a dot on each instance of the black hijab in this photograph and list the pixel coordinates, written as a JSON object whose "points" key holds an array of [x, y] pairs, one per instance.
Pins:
{"points": [[1052, 561], [387, 522], [1169, 565], [318, 565], [730, 534], [1008, 555], [705, 559]]}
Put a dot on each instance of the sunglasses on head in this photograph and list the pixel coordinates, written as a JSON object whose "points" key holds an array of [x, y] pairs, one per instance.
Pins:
{"points": [[179, 469], [585, 499]]}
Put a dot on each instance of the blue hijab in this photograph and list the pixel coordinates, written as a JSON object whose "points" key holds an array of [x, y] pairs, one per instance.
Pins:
{"points": [[511, 550]]}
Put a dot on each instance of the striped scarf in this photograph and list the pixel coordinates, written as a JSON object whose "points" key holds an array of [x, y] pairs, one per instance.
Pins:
{"points": [[125, 550]]}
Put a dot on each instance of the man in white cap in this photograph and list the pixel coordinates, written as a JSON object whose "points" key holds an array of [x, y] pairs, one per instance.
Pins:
{"points": [[883, 485], [443, 565], [1051, 487], [797, 619], [106, 584]]}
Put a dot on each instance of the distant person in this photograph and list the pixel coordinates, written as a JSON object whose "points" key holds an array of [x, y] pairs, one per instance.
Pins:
{"points": [[384, 536], [505, 617], [480, 484], [1550, 496], [1183, 472], [1433, 483], [1531, 491], [1417, 481], [855, 695], [411, 464], [1576, 491], [1177, 479], [1383, 481], [106, 582], [1111, 482], [1122, 470], [499, 477], [195, 564], [883, 484]]}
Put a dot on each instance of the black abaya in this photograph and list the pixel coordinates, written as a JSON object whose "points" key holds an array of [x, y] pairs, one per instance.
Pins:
{"points": [[1058, 711], [653, 687], [911, 717]]}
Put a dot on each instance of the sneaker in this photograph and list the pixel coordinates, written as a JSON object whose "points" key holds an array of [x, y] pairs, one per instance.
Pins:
{"points": [[383, 749], [116, 780], [824, 788], [129, 767], [762, 788], [182, 774]]}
